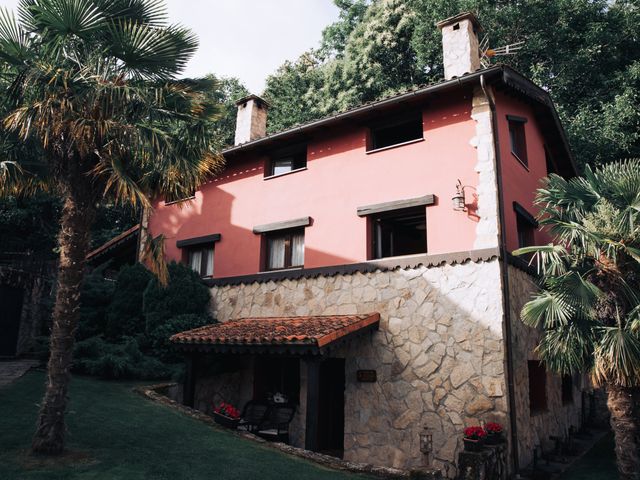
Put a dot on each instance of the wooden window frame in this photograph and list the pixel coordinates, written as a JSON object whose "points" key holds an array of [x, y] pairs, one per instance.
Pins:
{"points": [[524, 218], [373, 236], [406, 119], [298, 154], [538, 402], [204, 248], [518, 139], [288, 252]]}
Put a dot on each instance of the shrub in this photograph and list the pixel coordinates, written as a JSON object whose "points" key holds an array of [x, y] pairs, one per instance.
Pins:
{"points": [[97, 293], [124, 314], [160, 346]]}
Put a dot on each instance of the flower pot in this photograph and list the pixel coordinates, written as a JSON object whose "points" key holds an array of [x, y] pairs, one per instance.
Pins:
{"points": [[225, 421], [494, 439], [472, 445]]}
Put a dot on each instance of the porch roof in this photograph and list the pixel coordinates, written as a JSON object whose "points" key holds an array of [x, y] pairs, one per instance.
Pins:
{"points": [[305, 335]]}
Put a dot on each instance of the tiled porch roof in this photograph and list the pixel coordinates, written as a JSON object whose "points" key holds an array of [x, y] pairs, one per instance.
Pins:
{"points": [[311, 333]]}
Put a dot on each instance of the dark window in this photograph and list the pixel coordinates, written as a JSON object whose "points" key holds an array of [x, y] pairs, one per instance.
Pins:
{"points": [[285, 249], [526, 225], [567, 390], [518, 140], [277, 375], [200, 259], [397, 132], [551, 164], [400, 232], [537, 387], [287, 161]]}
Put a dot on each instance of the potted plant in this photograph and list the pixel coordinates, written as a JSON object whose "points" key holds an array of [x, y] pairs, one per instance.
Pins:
{"points": [[226, 415], [494, 433], [474, 438]]}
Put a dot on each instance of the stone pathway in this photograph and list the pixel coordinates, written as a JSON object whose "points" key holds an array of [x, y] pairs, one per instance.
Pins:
{"points": [[11, 370]]}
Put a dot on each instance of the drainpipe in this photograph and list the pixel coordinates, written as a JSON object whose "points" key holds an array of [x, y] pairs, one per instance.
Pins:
{"points": [[504, 273]]}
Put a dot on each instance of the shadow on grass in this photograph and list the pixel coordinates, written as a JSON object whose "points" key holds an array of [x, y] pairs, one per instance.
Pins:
{"points": [[116, 434], [599, 463]]}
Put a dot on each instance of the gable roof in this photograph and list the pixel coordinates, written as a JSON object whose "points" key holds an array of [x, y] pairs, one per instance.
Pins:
{"points": [[501, 76]]}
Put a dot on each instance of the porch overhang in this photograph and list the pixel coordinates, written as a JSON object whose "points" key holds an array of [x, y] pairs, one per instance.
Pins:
{"points": [[304, 335]]}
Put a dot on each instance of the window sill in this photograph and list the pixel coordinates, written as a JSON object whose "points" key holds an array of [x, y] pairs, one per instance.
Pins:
{"points": [[398, 257], [285, 173], [187, 199], [382, 149], [290, 269], [526, 167]]}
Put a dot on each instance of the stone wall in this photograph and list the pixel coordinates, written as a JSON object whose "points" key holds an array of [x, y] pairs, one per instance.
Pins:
{"points": [[534, 430], [438, 354]]}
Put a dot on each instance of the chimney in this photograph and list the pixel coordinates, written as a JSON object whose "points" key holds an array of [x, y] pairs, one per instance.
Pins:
{"points": [[251, 121], [460, 50]]}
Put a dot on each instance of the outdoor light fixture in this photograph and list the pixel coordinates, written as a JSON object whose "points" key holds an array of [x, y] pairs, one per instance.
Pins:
{"points": [[426, 442], [458, 198]]}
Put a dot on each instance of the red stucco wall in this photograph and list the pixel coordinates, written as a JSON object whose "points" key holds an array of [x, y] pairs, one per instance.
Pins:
{"points": [[340, 177], [519, 183]]}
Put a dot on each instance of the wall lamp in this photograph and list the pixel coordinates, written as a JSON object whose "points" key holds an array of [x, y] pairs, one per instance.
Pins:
{"points": [[458, 199]]}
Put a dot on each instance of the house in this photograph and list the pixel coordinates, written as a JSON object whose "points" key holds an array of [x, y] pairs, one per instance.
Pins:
{"points": [[360, 264]]}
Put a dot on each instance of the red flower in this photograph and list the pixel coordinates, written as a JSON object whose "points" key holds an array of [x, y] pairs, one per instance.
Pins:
{"points": [[493, 427], [227, 410], [474, 433]]}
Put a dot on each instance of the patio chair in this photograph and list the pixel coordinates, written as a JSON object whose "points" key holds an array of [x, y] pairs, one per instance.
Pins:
{"points": [[275, 427], [253, 414]]}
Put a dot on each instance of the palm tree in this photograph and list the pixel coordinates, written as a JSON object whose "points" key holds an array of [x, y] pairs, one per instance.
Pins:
{"points": [[587, 306], [94, 112]]}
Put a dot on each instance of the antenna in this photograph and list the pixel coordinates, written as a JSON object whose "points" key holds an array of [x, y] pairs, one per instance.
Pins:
{"points": [[486, 54]]}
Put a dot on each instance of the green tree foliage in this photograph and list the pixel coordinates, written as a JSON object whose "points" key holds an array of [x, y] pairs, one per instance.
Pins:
{"points": [[588, 305], [584, 52], [228, 91], [115, 338]]}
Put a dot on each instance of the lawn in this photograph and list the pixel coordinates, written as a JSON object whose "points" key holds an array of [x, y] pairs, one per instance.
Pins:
{"points": [[116, 434]]}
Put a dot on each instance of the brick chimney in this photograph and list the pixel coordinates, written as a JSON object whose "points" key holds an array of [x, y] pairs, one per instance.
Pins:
{"points": [[251, 120], [460, 50]]}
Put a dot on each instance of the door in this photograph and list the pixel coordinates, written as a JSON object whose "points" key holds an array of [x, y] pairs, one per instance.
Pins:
{"points": [[10, 312], [331, 407]]}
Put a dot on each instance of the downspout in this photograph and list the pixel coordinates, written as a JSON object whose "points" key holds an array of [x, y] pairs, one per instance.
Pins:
{"points": [[506, 303]]}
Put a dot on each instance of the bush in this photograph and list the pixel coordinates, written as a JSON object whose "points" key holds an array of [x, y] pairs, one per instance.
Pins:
{"points": [[122, 360], [184, 294], [160, 346], [124, 314], [97, 293]]}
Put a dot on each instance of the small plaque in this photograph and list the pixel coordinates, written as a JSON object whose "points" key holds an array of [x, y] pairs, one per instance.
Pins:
{"points": [[368, 376]]}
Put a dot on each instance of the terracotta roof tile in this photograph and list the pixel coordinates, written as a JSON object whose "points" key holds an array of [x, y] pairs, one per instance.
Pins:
{"points": [[316, 331]]}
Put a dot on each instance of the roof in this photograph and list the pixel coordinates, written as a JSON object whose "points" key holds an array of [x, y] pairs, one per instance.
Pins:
{"points": [[126, 236], [300, 335], [458, 18], [499, 75]]}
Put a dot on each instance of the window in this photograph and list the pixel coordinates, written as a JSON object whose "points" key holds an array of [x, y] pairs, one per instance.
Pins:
{"points": [[517, 138], [285, 249], [537, 387], [400, 232], [551, 164], [200, 259], [567, 390], [395, 133], [287, 160], [526, 225]]}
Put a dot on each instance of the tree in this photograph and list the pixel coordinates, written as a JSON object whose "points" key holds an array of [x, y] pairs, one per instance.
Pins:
{"points": [[229, 90], [93, 96], [588, 305]]}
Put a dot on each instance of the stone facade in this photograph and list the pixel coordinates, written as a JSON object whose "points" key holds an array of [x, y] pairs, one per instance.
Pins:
{"points": [[535, 429], [438, 354]]}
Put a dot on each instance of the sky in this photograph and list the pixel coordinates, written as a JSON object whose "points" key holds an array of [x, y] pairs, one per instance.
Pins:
{"points": [[248, 39]]}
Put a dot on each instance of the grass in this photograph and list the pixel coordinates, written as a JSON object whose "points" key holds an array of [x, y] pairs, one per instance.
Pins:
{"points": [[113, 433], [598, 464]]}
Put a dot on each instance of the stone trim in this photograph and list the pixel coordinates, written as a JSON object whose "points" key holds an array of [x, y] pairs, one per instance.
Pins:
{"points": [[151, 392], [383, 265], [189, 242], [272, 227], [396, 205]]}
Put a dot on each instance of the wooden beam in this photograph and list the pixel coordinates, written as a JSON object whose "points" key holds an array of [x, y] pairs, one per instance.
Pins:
{"points": [[396, 205], [313, 404], [189, 388], [272, 227]]}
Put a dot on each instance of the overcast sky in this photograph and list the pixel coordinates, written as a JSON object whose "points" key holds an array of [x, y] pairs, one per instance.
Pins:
{"points": [[247, 39]]}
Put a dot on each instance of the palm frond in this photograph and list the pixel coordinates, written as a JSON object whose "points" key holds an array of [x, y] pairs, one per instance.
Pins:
{"points": [[153, 257], [14, 41], [617, 357], [567, 349]]}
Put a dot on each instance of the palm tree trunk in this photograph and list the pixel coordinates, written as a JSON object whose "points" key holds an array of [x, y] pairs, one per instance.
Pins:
{"points": [[624, 405], [73, 241]]}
